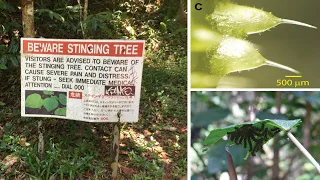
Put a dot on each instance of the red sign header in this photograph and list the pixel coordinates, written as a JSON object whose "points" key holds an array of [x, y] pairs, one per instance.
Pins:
{"points": [[121, 48]]}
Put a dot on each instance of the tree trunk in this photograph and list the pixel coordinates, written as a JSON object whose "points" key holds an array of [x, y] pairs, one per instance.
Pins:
{"points": [[275, 166], [85, 9], [307, 125], [27, 18]]}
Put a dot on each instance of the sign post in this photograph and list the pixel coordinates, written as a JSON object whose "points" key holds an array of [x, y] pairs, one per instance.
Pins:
{"points": [[83, 80]]}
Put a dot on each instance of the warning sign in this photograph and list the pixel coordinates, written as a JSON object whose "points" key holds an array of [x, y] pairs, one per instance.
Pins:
{"points": [[86, 80]]}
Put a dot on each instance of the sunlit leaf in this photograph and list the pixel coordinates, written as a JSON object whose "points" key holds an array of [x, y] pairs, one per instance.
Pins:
{"points": [[163, 27], [239, 21], [233, 55], [131, 30]]}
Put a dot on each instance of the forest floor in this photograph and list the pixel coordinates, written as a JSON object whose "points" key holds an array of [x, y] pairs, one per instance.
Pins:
{"points": [[153, 148]]}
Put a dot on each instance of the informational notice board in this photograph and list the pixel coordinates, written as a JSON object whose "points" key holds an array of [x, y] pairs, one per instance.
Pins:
{"points": [[86, 80]]}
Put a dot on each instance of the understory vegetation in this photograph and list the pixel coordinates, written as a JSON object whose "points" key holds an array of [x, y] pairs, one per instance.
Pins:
{"points": [[153, 148]]}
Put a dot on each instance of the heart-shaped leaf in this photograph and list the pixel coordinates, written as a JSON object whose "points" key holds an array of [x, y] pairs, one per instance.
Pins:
{"points": [[34, 101], [61, 111], [63, 99], [50, 104]]}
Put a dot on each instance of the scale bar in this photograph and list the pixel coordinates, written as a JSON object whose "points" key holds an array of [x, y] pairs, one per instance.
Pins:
{"points": [[293, 76]]}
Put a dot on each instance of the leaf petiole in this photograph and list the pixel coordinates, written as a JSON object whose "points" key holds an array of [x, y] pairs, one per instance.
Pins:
{"points": [[304, 151]]}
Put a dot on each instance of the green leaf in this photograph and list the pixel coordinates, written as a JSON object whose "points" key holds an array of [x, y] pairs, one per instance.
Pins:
{"points": [[34, 101], [63, 99], [61, 111], [217, 157], [55, 97], [3, 66], [51, 14], [239, 21], [94, 24], [203, 37], [269, 115], [58, 17], [207, 117], [6, 6], [13, 60], [312, 99], [3, 48], [163, 27], [2, 103], [48, 92], [217, 134], [234, 54], [251, 135], [50, 104]]}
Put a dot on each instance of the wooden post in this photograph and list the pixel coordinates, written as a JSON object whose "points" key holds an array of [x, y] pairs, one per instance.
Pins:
{"points": [[41, 140], [115, 147]]}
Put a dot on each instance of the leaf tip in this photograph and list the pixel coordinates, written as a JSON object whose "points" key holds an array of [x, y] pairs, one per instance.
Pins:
{"points": [[288, 21]]}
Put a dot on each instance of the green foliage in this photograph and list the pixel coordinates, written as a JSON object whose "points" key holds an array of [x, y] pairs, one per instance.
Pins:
{"points": [[51, 14], [52, 102], [207, 117], [210, 138], [219, 151], [251, 135]]}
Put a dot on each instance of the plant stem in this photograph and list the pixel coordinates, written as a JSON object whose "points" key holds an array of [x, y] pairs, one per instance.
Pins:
{"points": [[231, 168], [304, 151]]}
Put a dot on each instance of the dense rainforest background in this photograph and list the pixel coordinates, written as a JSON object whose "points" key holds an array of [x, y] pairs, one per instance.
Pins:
{"points": [[280, 158], [153, 148]]}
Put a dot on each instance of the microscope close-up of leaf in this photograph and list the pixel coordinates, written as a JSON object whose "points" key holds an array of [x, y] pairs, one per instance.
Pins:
{"points": [[239, 44]]}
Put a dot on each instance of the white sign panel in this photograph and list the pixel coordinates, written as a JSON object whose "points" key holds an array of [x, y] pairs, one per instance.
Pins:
{"points": [[86, 80]]}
